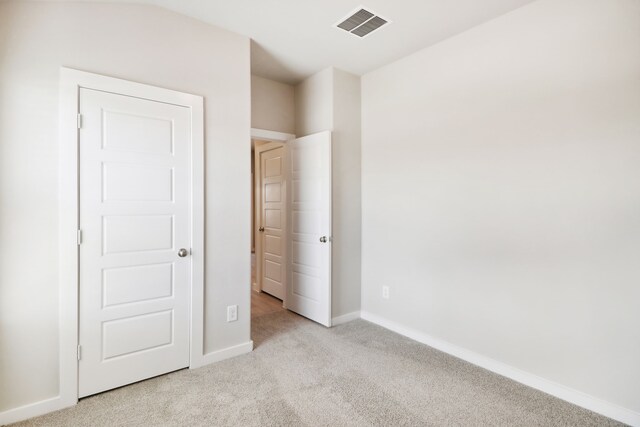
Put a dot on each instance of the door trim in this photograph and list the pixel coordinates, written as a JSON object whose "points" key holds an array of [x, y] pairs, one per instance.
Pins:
{"points": [[270, 135], [71, 81]]}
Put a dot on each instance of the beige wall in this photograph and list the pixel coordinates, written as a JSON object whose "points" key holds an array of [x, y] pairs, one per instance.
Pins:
{"points": [[330, 100], [314, 103], [272, 105], [501, 187], [151, 46], [346, 175]]}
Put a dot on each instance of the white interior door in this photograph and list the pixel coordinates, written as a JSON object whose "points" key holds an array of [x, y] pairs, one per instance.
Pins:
{"points": [[309, 238], [134, 216], [273, 219]]}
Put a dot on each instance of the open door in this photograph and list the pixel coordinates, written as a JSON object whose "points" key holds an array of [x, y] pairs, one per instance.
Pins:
{"points": [[309, 236]]}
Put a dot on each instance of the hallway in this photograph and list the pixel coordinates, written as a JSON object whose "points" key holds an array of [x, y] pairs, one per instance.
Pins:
{"points": [[261, 302]]}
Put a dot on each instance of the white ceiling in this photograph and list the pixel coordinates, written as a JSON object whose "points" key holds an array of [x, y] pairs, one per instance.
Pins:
{"points": [[293, 39]]}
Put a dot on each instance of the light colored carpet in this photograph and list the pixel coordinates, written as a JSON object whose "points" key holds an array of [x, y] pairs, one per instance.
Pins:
{"points": [[356, 374]]}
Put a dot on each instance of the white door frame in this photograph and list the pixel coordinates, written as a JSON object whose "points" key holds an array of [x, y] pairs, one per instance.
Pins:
{"points": [[71, 81], [271, 136]]}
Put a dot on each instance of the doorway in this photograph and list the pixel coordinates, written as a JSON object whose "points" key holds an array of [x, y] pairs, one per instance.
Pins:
{"points": [[133, 196], [292, 222]]}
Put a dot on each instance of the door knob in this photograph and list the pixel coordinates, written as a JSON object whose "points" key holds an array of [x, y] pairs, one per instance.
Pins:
{"points": [[261, 229], [323, 239], [183, 253]]}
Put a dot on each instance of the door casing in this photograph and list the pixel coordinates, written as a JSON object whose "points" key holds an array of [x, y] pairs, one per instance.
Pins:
{"points": [[69, 121]]}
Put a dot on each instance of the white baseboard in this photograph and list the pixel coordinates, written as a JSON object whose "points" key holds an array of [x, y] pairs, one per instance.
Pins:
{"points": [[31, 410], [339, 320], [226, 353], [570, 395]]}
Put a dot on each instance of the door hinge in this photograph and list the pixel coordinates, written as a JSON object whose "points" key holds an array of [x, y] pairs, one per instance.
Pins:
{"points": [[79, 121], [79, 352], [79, 237]]}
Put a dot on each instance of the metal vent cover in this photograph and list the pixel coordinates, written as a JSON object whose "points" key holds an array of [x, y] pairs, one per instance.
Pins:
{"points": [[361, 22]]}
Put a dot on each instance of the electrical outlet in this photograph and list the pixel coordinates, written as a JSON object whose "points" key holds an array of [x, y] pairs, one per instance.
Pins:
{"points": [[385, 292], [232, 313]]}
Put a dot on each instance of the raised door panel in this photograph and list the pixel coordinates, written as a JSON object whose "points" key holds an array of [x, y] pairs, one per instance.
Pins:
{"points": [[124, 285], [122, 182]]}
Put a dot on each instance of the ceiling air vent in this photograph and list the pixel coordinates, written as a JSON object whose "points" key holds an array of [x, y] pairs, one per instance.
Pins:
{"points": [[362, 22]]}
